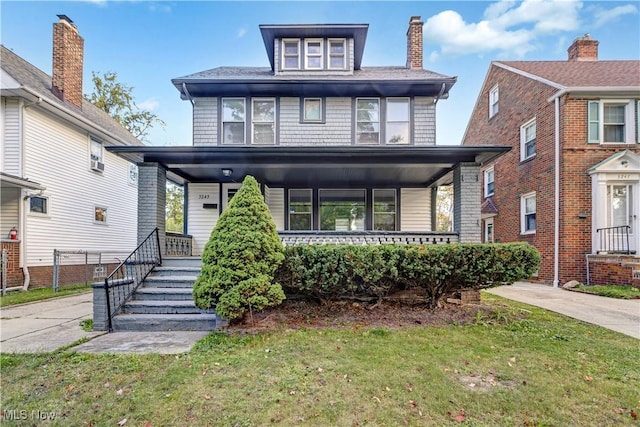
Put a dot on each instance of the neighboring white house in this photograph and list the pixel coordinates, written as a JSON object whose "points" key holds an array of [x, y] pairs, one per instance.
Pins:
{"points": [[60, 188]]}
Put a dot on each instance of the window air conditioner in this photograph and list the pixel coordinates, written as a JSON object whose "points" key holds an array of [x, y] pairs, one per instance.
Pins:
{"points": [[97, 166]]}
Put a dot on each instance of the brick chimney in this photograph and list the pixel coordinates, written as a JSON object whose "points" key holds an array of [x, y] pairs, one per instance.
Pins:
{"points": [[414, 43], [68, 52], [583, 49]]}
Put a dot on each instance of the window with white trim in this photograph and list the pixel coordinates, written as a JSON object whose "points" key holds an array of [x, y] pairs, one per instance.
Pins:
{"points": [[233, 120], [263, 121], [493, 101], [313, 54], [528, 140], [95, 150], [611, 121], [488, 182], [39, 205], [337, 54], [368, 121], [100, 215], [312, 110], [528, 213], [133, 174], [397, 131], [291, 54]]}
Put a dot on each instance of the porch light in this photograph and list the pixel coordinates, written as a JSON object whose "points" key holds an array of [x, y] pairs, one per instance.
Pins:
{"points": [[227, 172]]}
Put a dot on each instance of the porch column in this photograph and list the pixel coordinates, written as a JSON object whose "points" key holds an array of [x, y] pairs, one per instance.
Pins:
{"points": [[152, 183], [466, 202]]}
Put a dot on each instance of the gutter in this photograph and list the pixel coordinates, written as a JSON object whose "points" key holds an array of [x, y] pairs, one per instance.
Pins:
{"points": [[627, 91], [187, 94], [442, 89]]}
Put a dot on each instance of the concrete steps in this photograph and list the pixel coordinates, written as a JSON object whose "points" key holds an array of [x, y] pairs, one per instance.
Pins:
{"points": [[164, 301]]}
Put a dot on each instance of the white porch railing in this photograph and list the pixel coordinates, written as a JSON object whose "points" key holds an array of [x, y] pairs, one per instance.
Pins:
{"points": [[290, 238], [176, 244]]}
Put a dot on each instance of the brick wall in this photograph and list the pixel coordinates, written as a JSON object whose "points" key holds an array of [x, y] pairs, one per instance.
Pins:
{"points": [[607, 270], [14, 272], [68, 53]]}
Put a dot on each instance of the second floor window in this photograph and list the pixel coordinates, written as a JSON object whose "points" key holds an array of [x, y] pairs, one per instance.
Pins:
{"points": [[611, 121], [368, 121], [96, 150], [263, 121], [488, 182], [313, 54], [528, 140], [337, 54], [493, 101], [397, 121], [291, 54], [233, 116]]}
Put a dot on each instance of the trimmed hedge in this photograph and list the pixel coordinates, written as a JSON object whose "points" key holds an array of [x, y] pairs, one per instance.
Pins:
{"points": [[330, 272]]}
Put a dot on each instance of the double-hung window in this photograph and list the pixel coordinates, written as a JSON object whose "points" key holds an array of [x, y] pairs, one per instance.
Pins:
{"points": [[263, 121], [493, 101], [313, 54], [611, 121], [528, 140], [528, 213], [300, 209], [233, 120], [368, 121], [384, 210], [489, 182], [337, 54], [397, 131], [291, 54], [96, 150]]}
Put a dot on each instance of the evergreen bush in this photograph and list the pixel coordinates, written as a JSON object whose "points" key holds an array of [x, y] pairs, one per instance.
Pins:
{"points": [[240, 258]]}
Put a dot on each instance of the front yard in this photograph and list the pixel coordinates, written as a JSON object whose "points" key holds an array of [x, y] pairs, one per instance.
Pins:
{"points": [[516, 365]]}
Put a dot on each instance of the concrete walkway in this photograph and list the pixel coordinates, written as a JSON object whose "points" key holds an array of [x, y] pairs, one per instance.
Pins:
{"points": [[616, 314]]}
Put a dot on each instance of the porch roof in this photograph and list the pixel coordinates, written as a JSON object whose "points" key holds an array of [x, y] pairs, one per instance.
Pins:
{"points": [[331, 166], [12, 181]]}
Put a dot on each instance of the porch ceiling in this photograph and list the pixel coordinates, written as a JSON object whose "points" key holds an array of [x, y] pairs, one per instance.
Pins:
{"points": [[314, 166]]}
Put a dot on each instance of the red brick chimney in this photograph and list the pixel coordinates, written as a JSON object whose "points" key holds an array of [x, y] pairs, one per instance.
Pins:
{"points": [[583, 49], [68, 53], [414, 43]]}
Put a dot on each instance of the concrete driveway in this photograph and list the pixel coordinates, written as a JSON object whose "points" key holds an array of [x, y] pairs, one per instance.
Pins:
{"points": [[616, 314]]}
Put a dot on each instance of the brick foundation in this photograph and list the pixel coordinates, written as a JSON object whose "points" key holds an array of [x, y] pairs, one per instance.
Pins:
{"points": [[614, 270], [42, 276], [14, 272]]}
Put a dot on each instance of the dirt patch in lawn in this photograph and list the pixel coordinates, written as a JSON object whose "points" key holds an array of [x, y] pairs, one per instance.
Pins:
{"points": [[348, 314]]}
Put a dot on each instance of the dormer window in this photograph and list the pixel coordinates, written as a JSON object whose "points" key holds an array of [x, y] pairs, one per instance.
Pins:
{"points": [[313, 54], [291, 54], [337, 54]]}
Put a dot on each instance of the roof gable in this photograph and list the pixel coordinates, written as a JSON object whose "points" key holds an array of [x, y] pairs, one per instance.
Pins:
{"points": [[622, 161]]}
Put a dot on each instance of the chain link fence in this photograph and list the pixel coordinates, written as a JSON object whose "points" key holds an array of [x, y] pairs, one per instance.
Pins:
{"points": [[77, 268]]}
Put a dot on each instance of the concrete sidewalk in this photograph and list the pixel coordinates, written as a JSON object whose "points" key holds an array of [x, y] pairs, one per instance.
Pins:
{"points": [[616, 314]]}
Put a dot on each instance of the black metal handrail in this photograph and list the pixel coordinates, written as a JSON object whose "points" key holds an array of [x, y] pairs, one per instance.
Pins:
{"points": [[130, 273], [614, 239]]}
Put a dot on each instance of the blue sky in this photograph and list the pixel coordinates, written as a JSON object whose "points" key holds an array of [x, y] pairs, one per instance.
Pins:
{"points": [[150, 42]]}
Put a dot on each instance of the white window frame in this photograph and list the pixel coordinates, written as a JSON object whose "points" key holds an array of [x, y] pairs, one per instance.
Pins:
{"points": [[244, 120], [308, 55], [285, 55], [93, 157], [408, 121], [487, 191], [106, 214], [331, 55], [132, 177], [524, 142], [524, 213], [596, 124], [494, 98], [254, 121], [305, 119], [358, 121], [46, 206], [488, 223]]}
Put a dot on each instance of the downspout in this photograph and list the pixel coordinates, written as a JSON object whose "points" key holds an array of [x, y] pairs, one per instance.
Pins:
{"points": [[556, 231]]}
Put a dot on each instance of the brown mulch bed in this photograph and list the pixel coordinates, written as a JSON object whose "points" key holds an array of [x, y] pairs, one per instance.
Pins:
{"points": [[293, 314]]}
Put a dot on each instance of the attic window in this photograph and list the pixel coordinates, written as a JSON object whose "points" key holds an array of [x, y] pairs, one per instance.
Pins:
{"points": [[337, 54], [290, 54], [493, 101], [313, 54]]}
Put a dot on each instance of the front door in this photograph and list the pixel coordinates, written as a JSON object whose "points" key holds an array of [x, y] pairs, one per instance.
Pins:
{"points": [[228, 191], [622, 210]]}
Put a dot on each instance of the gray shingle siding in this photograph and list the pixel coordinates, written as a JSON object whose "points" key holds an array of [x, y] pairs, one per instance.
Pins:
{"points": [[424, 130], [466, 205], [336, 130], [205, 121]]}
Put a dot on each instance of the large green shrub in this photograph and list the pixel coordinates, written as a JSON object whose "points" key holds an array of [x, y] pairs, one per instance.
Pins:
{"points": [[329, 272], [240, 258]]}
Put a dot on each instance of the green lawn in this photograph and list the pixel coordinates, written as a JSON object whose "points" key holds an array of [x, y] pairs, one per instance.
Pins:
{"points": [[21, 297], [611, 291], [520, 366]]}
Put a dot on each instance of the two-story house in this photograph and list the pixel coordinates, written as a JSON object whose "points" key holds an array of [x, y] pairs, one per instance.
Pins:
{"points": [[571, 184], [343, 151], [60, 188]]}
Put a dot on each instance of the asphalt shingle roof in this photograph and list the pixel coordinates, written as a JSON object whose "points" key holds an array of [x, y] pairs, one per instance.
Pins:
{"points": [[582, 73], [39, 82]]}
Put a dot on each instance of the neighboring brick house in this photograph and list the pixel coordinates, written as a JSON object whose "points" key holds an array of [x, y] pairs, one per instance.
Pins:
{"points": [[342, 151], [571, 184], [59, 188]]}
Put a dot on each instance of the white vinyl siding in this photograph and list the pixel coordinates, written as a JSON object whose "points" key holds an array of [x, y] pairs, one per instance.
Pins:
{"points": [[10, 136], [205, 121], [274, 197], [611, 121], [201, 220], [9, 210], [415, 209], [73, 192], [336, 130]]}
